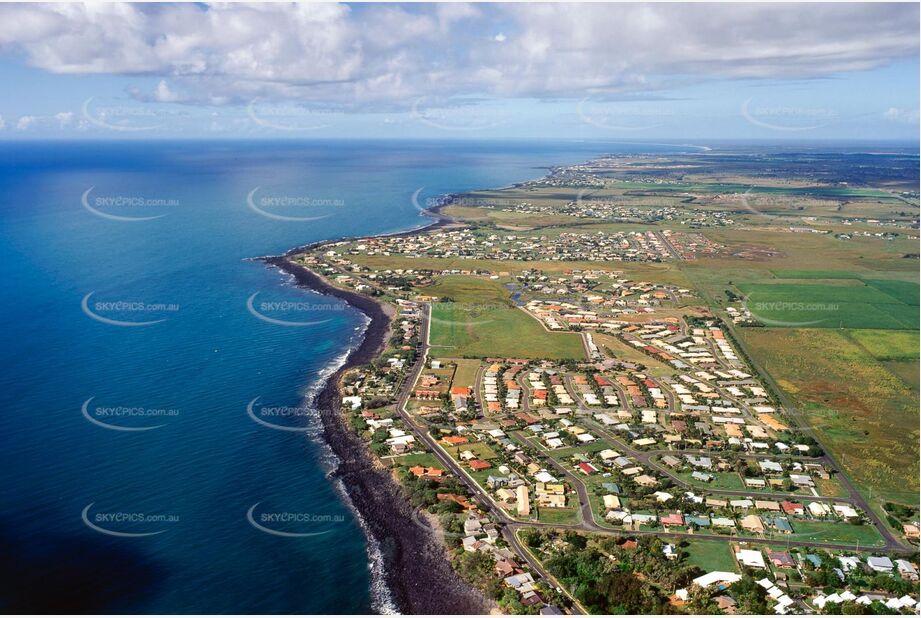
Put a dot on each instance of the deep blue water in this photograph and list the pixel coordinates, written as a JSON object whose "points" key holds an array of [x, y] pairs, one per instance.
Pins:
{"points": [[193, 373]]}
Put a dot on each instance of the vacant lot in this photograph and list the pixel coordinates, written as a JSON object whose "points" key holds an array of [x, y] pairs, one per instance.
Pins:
{"points": [[711, 556], [569, 515], [835, 532], [465, 374], [482, 322]]}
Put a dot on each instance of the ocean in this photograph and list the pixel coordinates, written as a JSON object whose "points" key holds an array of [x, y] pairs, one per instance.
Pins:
{"points": [[141, 348]]}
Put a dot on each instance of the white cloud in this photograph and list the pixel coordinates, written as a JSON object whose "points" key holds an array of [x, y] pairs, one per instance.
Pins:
{"points": [[906, 116], [386, 56], [64, 119], [163, 94], [25, 123]]}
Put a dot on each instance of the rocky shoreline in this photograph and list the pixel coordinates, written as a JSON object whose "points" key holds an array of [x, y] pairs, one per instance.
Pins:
{"points": [[416, 570]]}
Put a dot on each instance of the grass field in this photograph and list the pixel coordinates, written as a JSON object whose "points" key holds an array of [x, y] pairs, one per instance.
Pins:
{"points": [[864, 413], [880, 304], [908, 370], [415, 459], [711, 556], [888, 345], [829, 487], [565, 455], [629, 353], [834, 532], [722, 187], [480, 449], [721, 480], [569, 515], [814, 274], [465, 374], [482, 322]]}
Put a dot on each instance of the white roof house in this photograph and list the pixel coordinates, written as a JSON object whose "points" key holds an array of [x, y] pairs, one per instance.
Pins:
{"points": [[881, 564], [750, 558], [716, 577]]}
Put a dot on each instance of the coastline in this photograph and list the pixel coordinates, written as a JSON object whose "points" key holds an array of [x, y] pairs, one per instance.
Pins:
{"points": [[415, 569]]}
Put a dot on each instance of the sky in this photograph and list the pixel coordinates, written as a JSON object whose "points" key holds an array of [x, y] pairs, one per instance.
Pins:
{"points": [[643, 72]]}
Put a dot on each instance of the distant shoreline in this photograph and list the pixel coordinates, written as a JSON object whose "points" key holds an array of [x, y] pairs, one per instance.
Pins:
{"points": [[416, 570]]}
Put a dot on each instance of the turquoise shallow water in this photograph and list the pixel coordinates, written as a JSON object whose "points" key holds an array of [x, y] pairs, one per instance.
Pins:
{"points": [[143, 431]]}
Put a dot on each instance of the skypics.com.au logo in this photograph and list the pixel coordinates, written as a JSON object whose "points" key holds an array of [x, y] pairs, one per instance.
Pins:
{"points": [[281, 207], [115, 313], [106, 206], [126, 418], [292, 524], [126, 524]]}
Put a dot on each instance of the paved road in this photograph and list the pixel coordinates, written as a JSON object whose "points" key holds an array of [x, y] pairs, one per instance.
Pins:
{"points": [[854, 497], [668, 245], [450, 464], [585, 506], [647, 459]]}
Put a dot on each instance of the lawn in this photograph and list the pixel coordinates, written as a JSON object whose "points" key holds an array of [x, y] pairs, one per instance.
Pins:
{"points": [[721, 480], [415, 459], [480, 449], [834, 532], [711, 556], [569, 515], [565, 454], [497, 330]]}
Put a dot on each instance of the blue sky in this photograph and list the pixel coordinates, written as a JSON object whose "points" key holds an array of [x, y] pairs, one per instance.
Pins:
{"points": [[624, 72]]}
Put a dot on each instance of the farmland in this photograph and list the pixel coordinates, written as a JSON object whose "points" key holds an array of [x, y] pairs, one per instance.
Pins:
{"points": [[863, 305]]}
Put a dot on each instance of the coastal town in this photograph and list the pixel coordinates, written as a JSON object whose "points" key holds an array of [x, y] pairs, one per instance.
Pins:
{"points": [[549, 396], [446, 308]]}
